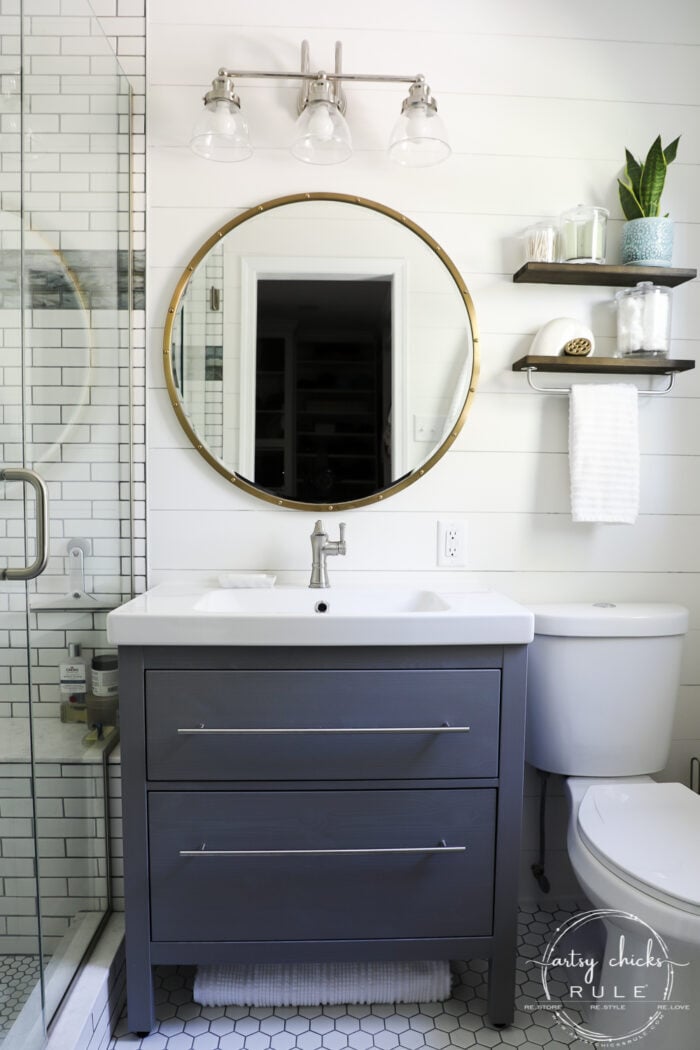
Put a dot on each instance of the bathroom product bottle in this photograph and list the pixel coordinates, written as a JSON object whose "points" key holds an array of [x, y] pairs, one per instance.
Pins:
{"points": [[73, 683], [102, 715], [103, 698], [104, 675]]}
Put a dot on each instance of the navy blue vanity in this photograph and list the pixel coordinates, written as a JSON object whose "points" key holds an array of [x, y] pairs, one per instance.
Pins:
{"points": [[321, 803]]}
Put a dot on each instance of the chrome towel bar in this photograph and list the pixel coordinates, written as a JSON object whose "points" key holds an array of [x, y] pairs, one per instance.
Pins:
{"points": [[671, 377]]}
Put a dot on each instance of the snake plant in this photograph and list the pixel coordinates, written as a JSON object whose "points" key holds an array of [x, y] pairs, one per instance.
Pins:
{"points": [[640, 193]]}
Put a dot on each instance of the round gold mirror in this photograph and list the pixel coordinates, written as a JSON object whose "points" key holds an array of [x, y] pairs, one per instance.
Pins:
{"points": [[321, 351]]}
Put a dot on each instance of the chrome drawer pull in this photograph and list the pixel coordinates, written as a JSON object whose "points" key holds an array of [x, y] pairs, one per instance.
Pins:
{"points": [[202, 730], [442, 848]]}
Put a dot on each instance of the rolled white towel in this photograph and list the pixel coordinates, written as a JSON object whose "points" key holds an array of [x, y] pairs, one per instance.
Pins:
{"points": [[322, 984]]}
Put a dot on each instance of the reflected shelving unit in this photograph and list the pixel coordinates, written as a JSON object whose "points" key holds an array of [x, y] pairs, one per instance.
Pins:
{"points": [[321, 410]]}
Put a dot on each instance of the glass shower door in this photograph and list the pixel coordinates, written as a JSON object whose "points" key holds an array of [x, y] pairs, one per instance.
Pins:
{"points": [[22, 995], [21, 962], [64, 413]]}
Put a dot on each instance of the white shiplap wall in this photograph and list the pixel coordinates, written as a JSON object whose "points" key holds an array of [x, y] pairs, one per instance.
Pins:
{"points": [[540, 100]]}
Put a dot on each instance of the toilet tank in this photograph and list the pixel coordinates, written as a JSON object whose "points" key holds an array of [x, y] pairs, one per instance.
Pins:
{"points": [[602, 686]]}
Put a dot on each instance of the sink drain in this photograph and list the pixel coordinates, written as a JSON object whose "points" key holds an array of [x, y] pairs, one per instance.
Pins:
{"points": [[321, 607]]}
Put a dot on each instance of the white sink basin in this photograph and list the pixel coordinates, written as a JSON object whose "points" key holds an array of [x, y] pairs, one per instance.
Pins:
{"points": [[295, 601], [187, 614]]}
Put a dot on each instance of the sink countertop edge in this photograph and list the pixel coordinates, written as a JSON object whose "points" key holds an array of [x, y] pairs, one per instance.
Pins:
{"points": [[165, 615]]}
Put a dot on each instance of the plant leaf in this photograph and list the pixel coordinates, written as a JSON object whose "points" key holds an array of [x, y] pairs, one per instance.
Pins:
{"points": [[631, 207], [653, 178], [671, 150], [634, 172]]}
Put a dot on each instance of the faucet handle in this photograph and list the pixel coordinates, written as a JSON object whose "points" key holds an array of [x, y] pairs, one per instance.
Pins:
{"points": [[341, 526]]}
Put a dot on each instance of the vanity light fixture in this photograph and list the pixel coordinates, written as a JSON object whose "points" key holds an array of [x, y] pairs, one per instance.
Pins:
{"points": [[221, 133], [419, 138], [322, 135]]}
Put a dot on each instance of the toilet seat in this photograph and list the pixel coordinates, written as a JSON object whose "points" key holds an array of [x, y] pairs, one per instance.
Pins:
{"points": [[648, 834]]}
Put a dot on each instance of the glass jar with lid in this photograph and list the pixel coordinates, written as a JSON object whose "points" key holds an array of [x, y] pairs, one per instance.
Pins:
{"points": [[540, 241], [644, 321], [582, 234]]}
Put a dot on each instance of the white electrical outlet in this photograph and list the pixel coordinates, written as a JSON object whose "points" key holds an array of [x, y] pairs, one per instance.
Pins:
{"points": [[451, 543]]}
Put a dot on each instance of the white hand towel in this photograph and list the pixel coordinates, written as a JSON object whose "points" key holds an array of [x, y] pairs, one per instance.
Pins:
{"points": [[604, 453]]}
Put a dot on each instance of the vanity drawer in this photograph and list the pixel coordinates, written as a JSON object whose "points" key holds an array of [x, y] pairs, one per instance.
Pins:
{"points": [[325, 725], [273, 894]]}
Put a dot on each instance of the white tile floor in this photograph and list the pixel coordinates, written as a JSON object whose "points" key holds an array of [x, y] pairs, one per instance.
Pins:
{"points": [[460, 1022], [18, 976]]}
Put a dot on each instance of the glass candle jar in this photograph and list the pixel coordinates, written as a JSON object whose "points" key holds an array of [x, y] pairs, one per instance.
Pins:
{"points": [[582, 235], [644, 321]]}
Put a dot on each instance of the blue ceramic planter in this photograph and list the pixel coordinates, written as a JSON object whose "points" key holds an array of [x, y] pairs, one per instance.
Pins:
{"points": [[647, 242]]}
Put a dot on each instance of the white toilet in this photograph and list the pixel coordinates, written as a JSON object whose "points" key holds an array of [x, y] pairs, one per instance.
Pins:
{"points": [[602, 687]]}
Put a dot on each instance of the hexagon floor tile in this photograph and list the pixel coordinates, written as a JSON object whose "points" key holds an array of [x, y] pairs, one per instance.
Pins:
{"points": [[460, 1022], [18, 977]]}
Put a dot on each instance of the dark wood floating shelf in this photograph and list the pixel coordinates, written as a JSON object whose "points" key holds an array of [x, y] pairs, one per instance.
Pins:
{"points": [[601, 274], [650, 366]]}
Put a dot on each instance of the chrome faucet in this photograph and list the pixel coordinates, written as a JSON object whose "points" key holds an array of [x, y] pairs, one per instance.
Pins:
{"points": [[321, 547]]}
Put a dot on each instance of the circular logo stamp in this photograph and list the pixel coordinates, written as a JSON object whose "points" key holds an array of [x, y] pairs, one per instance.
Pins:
{"points": [[608, 977]]}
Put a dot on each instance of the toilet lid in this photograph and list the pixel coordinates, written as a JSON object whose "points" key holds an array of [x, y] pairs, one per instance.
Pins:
{"points": [[649, 835]]}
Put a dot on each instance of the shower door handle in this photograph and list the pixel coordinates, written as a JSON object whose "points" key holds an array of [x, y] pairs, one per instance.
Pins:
{"points": [[29, 477]]}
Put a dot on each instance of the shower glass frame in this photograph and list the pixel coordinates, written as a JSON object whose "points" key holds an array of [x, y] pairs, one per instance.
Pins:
{"points": [[66, 294]]}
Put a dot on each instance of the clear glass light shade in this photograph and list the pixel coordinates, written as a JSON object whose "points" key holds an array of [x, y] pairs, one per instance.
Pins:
{"points": [[221, 133], [419, 138], [322, 135]]}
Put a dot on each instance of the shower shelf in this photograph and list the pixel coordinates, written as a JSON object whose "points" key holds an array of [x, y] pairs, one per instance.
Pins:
{"points": [[66, 602]]}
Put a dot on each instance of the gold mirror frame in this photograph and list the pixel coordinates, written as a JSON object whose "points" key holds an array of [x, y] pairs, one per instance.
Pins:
{"points": [[244, 484]]}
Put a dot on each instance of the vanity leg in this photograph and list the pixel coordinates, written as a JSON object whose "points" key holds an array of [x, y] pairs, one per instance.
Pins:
{"points": [[141, 1015], [501, 995], [139, 975]]}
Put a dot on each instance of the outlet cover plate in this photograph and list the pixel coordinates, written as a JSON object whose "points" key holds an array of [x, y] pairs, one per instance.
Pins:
{"points": [[451, 543]]}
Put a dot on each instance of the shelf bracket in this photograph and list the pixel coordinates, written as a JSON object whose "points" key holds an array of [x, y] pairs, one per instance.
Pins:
{"points": [[670, 376], [76, 596]]}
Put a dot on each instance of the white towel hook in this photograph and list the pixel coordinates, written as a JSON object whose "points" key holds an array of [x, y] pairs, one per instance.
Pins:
{"points": [[670, 376]]}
